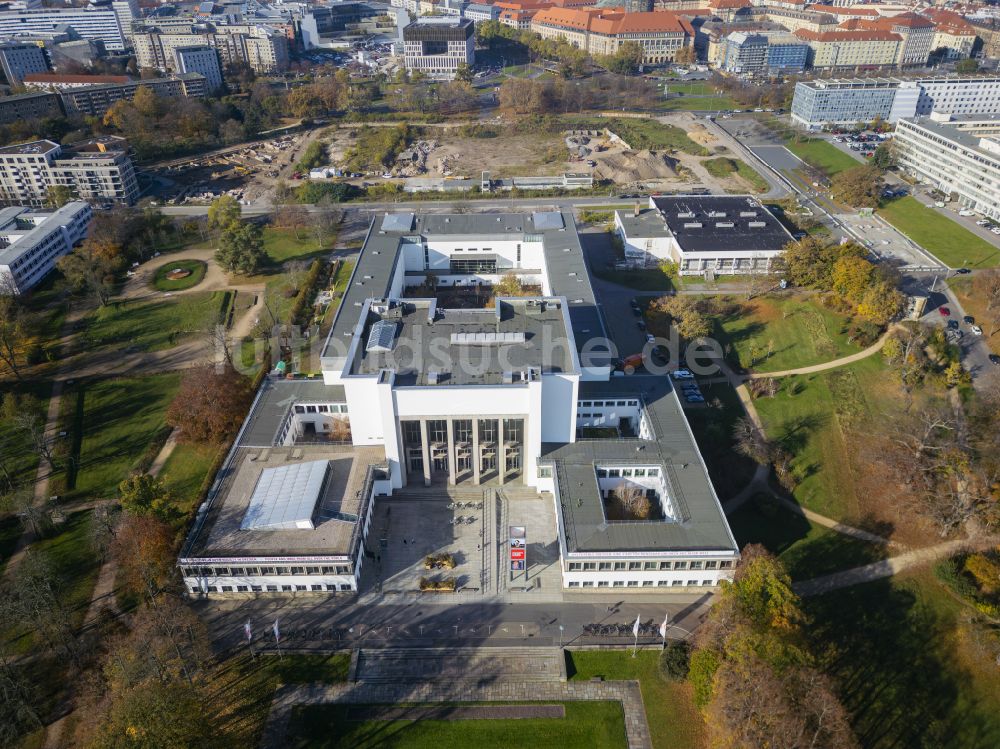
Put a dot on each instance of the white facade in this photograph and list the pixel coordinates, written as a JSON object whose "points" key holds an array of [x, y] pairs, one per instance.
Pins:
{"points": [[104, 24], [32, 241], [952, 160], [201, 59]]}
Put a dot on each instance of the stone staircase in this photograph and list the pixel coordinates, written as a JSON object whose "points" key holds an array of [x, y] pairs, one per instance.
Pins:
{"points": [[449, 665]]}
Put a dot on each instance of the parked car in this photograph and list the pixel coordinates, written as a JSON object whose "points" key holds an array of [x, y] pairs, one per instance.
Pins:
{"points": [[953, 325], [976, 330], [640, 324], [995, 230], [994, 359], [683, 374], [650, 338], [962, 271], [692, 398], [969, 320], [966, 212], [945, 312]]}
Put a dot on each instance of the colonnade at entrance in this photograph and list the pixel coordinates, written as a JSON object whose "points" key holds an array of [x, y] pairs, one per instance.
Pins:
{"points": [[476, 450]]}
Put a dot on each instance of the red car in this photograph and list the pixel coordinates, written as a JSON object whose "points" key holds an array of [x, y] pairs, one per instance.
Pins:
{"points": [[945, 312]]}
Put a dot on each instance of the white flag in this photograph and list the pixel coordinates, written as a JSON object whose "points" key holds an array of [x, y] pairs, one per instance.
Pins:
{"points": [[247, 631], [663, 627], [277, 632], [635, 627]]}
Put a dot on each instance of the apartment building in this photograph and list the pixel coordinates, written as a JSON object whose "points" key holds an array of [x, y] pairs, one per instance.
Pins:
{"points": [[950, 154], [96, 100], [847, 101], [97, 170], [32, 241], [203, 60], [466, 397], [263, 49], [19, 59], [744, 53], [988, 36], [436, 46], [599, 31], [27, 107], [106, 22], [952, 33], [845, 49]]}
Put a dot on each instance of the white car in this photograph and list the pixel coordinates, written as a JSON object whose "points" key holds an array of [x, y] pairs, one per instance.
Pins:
{"points": [[976, 330], [995, 230], [966, 212], [683, 374]]}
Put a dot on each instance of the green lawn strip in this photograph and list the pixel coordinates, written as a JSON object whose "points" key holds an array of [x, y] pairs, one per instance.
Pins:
{"points": [[154, 325], [185, 471], [69, 551], [915, 666], [807, 550], [713, 430], [599, 725], [724, 166], [18, 456], [822, 155], [112, 424], [799, 332], [674, 721], [283, 244], [697, 103], [641, 133], [949, 242], [196, 268]]}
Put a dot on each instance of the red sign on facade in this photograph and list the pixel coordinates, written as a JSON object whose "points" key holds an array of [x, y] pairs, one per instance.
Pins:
{"points": [[517, 553]]}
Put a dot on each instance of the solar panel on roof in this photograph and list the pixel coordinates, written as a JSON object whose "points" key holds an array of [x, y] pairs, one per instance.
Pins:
{"points": [[548, 220], [381, 336]]}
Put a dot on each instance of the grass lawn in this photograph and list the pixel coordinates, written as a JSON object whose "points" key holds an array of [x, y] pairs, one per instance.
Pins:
{"points": [[138, 325], [646, 279], [184, 472], [799, 332], [713, 430], [674, 721], [915, 666], [197, 269], [807, 550], [949, 242], [643, 133], [696, 103], [111, 425], [822, 155], [16, 452], [282, 245], [723, 167], [69, 551], [975, 306], [592, 724]]}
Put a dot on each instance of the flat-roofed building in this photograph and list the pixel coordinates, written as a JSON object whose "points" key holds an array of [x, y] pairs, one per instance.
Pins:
{"points": [[436, 46], [17, 59], [957, 155], [106, 23], [32, 241], [420, 393], [201, 59], [34, 106], [703, 233]]}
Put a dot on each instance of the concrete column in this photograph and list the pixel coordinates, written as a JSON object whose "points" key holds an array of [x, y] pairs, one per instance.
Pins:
{"points": [[476, 457], [452, 464], [425, 445], [501, 454]]}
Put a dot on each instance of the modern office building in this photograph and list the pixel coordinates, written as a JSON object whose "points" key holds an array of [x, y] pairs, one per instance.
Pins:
{"points": [[417, 393], [703, 233], [957, 155], [847, 101], [204, 60], [323, 22], [437, 45], [107, 22], [32, 241], [97, 170], [264, 49], [18, 59], [29, 107], [746, 54]]}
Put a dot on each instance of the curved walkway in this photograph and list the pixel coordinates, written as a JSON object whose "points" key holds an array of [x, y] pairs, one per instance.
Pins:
{"points": [[832, 364]]}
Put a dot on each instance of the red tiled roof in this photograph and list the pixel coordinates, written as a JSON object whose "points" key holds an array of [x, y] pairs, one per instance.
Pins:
{"points": [[850, 11], [67, 78], [612, 21], [848, 35]]}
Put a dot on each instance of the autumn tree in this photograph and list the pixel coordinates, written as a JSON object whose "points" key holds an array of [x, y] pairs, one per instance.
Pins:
{"points": [[59, 195], [986, 286], [241, 248], [809, 262], [685, 313], [685, 55], [633, 502], [509, 285], [143, 548], [143, 494], [751, 442], [223, 213], [86, 269], [521, 96], [210, 403], [14, 335], [860, 186]]}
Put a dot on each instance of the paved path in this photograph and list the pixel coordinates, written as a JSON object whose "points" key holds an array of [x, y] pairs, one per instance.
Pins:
{"points": [[832, 364], [486, 685], [891, 566]]}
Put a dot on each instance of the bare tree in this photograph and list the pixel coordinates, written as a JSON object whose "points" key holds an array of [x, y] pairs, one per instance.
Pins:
{"points": [[633, 501], [751, 442], [13, 334]]}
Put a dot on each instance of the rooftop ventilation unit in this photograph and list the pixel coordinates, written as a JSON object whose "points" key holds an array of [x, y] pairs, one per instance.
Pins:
{"points": [[757, 224], [381, 336], [717, 214], [692, 225], [724, 224], [486, 338], [685, 214], [748, 214]]}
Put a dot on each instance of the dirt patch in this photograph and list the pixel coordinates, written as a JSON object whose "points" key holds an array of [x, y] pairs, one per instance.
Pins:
{"points": [[700, 135], [634, 166]]}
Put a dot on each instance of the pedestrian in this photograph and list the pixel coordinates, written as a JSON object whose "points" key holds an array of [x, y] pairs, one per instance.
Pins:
{"points": [[404, 541]]}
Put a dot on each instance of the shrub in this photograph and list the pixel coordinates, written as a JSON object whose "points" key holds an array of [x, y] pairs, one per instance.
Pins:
{"points": [[701, 673], [675, 661]]}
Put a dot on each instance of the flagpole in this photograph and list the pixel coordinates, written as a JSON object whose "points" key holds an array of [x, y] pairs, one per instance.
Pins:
{"points": [[249, 633], [277, 638], [635, 633]]}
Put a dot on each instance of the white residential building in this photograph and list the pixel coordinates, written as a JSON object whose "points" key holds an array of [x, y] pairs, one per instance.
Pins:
{"points": [[108, 22], [462, 397], [955, 155], [201, 59], [98, 171], [32, 241]]}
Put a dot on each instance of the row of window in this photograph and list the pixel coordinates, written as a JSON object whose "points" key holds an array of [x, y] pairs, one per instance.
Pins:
{"points": [[269, 588], [340, 569], [696, 564], [614, 473], [322, 409], [606, 404], [640, 583]]}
